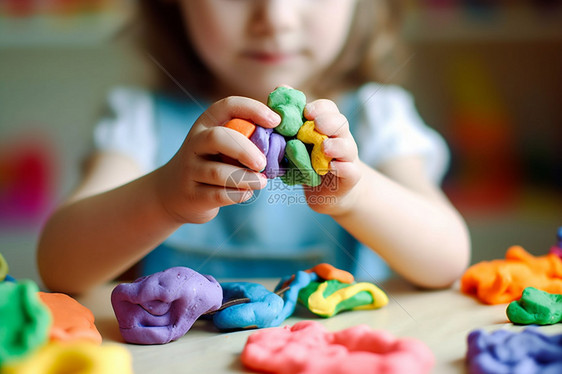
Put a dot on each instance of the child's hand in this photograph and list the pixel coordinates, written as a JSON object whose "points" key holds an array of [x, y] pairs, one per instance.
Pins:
{"points": [[197, 182], [334, 194]]}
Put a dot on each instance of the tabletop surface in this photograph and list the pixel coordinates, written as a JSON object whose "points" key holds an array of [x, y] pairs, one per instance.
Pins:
{"points": [[442, 319]]}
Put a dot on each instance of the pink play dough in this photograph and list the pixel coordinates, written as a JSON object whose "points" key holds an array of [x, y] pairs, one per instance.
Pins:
{"points": [[307, 347]]}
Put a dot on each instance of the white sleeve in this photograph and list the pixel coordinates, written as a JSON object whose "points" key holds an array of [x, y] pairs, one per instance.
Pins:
{"points": [[392, 128], [130, 129]]}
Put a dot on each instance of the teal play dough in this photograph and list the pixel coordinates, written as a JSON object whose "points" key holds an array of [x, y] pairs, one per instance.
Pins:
{"points": [[535, 307], [300, 169], [24, 320], [289, 104]]}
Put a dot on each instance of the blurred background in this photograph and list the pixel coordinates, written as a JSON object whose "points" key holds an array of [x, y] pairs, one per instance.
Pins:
{"points": [[486, 74]]}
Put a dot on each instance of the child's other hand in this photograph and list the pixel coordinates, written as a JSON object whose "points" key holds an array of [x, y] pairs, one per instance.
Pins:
{"points": [[196, 182], [334, 194]]}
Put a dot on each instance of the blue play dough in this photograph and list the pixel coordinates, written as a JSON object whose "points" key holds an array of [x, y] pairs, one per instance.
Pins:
{"points": [[260, 312], [525, 352], [290, 297]]}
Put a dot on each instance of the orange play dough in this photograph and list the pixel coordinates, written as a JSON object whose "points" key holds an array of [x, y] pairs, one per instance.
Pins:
{"points": [[329, 272], [244, 127], [71, 320], [503, 281]]}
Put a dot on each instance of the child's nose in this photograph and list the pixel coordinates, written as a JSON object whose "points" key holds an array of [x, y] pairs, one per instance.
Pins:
{"points": [[276, 15]]}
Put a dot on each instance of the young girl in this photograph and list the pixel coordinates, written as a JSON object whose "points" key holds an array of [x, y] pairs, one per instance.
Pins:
{"points": [[157, 187]]}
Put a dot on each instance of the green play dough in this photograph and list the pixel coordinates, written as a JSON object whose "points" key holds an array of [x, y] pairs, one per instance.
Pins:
{"points": [[24, 320], [535, 307], [3, 268], [289, 104], [299, 169], [359, 299]]}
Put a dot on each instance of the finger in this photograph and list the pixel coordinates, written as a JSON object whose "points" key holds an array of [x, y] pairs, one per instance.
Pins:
{"points": [[240, 107], [224, 175], [317, 107], [222, 140], [341, 149], [220, 196], [332, 124], [348, 172]]}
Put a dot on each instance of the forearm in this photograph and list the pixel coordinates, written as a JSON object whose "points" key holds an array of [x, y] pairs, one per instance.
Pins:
{"points": [[94, 239], [421, 237]]}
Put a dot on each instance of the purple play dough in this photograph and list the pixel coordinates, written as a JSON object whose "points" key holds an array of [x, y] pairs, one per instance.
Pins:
{"points": [[162, 307], [502, 351], [260, 138], [272, 146], [275, 155]]}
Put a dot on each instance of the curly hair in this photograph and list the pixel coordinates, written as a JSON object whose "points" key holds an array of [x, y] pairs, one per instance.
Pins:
{"points": [[371, 53]]}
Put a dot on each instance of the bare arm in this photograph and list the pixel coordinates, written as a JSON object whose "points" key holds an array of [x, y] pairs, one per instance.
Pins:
{"points": [[396, 211], [102, 229], [408, 221], [116, 216]]}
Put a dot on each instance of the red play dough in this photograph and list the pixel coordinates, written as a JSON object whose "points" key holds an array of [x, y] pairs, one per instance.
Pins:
{"points": [[307, 347]]}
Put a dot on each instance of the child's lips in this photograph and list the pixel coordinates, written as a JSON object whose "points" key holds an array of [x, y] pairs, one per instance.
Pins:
{"points": [[271, 57]]}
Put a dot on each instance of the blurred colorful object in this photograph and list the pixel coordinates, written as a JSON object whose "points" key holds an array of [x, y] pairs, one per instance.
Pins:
{"points": [[26, 178], [486, 173]]}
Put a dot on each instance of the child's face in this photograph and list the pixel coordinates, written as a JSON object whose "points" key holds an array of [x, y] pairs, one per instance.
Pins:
{"points": [[252, 46]]}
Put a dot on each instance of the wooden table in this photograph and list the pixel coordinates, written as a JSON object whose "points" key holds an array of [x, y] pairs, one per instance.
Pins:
{"points": [[442, 319]]}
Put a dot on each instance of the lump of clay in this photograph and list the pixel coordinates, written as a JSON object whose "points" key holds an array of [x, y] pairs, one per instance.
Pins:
{"points": [[308, 135], [299, 170], [82, 357], [162, 307], [535, 307], [331, 297], [71, 320], [503, 281], [502, 351], [329, 272], [307, 347], [261, 311], [24, 320], [289, 104], [290, 297]]}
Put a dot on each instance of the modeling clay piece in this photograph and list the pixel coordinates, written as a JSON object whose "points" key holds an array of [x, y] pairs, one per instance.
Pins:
{"points": [[328, 298], [71, 320], [24, 320], [83, 358], [3, 268], [242, 126], [260, 138], [272, 146], [536, 307], [275, 155], [162, 307], [504, 351], [503, 281], [299, 169], [308, 134], [290, 298], [557, 249], [329, 272], [261, 311], [307, 347], [289, 104]]}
